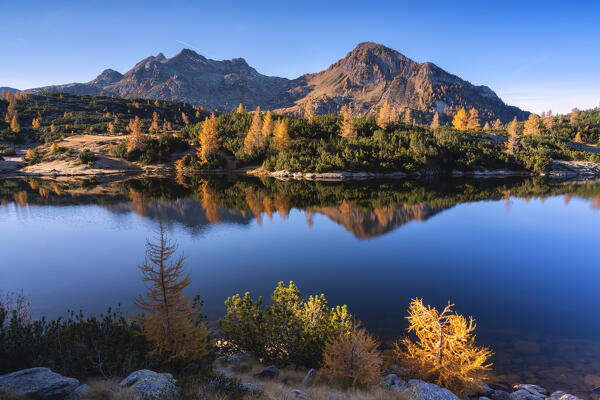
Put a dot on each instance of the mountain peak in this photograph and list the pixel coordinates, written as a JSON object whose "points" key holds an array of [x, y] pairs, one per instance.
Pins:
{"points": [[108, 76]]}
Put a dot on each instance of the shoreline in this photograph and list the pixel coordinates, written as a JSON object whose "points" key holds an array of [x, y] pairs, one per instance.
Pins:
{"points": [[576, 170]]}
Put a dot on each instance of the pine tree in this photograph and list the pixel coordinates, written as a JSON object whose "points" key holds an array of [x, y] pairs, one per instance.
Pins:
{"points": [[137, 138], [155, 126], [281, 136], [435, 122], [309, 112], [14, 124], [385, 115], [460, 120], [408, 117], [170, 321], [512, 143], [347, 130], [532, 125], [473, 123], [444, 350], [253, 143], [354, 358], [240, 109], [267, 126], [209, 138], [574, 117]]}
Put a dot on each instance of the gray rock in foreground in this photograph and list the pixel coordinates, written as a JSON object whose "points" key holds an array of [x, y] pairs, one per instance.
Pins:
{"points": [[268, 373], [152, 385], [38, 383], [299, 394], [310, 376], [562, 396], [419, 390]]}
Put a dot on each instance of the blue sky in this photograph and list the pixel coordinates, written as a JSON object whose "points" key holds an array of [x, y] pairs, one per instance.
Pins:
{"points": [[537, 55]]}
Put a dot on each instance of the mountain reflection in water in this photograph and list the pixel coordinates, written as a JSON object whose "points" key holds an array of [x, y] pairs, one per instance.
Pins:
{"points": [[518, 255]]}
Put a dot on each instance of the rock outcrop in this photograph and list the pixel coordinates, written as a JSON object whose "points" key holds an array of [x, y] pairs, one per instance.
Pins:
{"points": [[150, 385], [40, 383]]}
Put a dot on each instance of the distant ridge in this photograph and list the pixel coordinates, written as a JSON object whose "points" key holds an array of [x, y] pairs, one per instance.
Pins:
{"points": [[368, 76]]}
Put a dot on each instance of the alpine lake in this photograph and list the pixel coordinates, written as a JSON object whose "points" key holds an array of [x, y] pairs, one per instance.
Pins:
{"points": [[521, 256]]}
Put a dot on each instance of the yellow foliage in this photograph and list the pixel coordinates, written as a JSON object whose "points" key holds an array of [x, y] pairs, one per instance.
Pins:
{"points": [[460, 120], [169, 320], [281, 135], [309, 111], [353, 357], [30, 154], [35, 124], [154, 126], [14, 125], [444, 350], [435, 122], [532, 125], [209, 138], [473, 122], [385, 116], [137, 138], [53, 147], [347, 124], [253, 143], [241, 109], [267, 126]]}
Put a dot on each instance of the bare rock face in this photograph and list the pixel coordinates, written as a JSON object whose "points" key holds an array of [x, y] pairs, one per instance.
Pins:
{"points": [[38, 383], [368, 76]]}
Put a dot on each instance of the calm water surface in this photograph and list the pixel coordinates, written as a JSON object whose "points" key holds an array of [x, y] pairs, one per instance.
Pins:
{"points": [[521, 257]]}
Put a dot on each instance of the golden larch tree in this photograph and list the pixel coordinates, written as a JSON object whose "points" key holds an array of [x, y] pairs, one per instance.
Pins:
{"points": [[460, 120], [408, 119], [578, 138], [385, 115], [435, 122], [137, 137], [209, 138], [532, 125], [487, 127], [253, 143], [35, 123], [347, 130], [497, 124], [473, 123], [14, 124], [155, 127], [309, 111], [267, 125], [281, 135], [185, 118], [240, 109], [512, 143], [169, 320], [444, 348], [574, 117], [353, 357]]}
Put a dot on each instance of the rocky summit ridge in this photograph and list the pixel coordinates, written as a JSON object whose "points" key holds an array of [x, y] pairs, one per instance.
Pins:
{"points": [[370, 75]]}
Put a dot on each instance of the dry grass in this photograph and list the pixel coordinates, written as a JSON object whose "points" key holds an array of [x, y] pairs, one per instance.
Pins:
{"points": [[107, 390], [321, 389], [276, 389]]}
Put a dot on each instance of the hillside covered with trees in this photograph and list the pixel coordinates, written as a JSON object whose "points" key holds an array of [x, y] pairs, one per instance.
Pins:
{"points": [[388, 140]]}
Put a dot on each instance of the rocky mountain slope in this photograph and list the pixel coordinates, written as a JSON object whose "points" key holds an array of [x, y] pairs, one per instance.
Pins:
{"points": [[368, 76]]}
